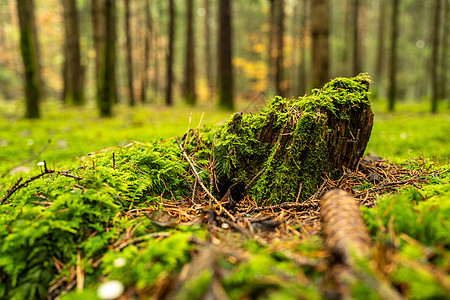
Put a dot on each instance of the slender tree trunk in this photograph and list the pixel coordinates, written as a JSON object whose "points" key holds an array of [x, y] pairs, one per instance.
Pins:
{"points": [[169, 83], [435, 56], [208, 58], [30, 58], [381, 46], [2, 31], [189, 81], [320, 50], [444, 54], [147, 45], [392, 91], [65, 72], [98, 23], [107, 77], [157, 65], [302, 82], [73, 69], [129, 54], [279, 29], [271, 47], [356, 61], [225, 70], [347, 49], [157, 69]]}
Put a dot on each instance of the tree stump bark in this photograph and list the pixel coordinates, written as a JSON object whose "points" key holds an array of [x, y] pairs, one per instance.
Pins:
{"points": [[290, 144]]}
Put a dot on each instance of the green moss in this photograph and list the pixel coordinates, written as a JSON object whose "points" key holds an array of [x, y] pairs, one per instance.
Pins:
{"points": [[197, 286], [294, 162]]}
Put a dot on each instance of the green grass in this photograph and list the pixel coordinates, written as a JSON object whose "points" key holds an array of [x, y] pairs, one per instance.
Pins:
{"points": [[75, 132], [410, 131], [405, 135]]}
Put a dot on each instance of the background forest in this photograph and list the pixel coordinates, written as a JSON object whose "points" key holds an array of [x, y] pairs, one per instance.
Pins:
{"points": [[165, 52]]}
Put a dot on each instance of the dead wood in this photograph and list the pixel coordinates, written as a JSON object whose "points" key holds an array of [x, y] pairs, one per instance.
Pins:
{"points": [[283, 152], [348, 241], [343, 228]]}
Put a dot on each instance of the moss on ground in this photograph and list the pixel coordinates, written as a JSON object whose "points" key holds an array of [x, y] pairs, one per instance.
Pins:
{"points": [[58, 226]]}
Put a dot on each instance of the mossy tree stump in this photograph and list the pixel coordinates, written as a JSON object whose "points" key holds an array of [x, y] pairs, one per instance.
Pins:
{"points": [[290, 144]]}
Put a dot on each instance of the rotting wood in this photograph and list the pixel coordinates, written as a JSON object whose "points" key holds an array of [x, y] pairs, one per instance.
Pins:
{"points": [[348, 241], [296, 141], [343, 228]]}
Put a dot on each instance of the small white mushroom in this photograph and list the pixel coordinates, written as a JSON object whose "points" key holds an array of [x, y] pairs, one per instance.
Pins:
{"points": [[110, 290]]}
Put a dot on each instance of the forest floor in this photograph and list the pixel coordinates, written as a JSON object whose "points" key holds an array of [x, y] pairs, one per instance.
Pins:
{"points": [[259, 252], [75, 132]]}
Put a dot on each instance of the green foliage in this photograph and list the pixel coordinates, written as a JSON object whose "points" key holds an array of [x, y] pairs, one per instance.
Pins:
{"points": [[417, 223], [423, 219], [152, 261], [407, 135], [196, 287], [56, 217], [81, 216], [268, 275]]}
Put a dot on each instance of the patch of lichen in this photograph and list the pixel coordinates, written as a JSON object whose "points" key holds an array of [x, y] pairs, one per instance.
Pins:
{"points": [[293, 163]]}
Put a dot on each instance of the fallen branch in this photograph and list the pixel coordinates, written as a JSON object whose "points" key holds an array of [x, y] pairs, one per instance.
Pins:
{"points": [[17, 186], [200, 182]]}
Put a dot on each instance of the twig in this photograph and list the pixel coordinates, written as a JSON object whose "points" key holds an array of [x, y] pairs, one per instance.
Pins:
{"points": [[319, 191], [16, 186], [200, 181], [11, 190], [250, 184], [285, 205], [234, 225]]}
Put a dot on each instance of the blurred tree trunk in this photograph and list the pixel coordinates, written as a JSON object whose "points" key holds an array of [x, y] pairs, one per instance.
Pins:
{"points": [[170, 55], [356, 59], [380, 47], [106, 85], [147, 44], [435, 56], [445, 40], [73, 91], [225, 68], [97, 29], [207, 37], [272, 48], [30, 58], [345, 68], [129, 54], [156, 61], [320, 24], [189, 80], [279, 33], [392, 91], [158, 56], [302, 77]]}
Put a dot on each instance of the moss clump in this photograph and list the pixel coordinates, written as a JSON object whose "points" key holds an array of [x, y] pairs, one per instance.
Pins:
{"points": [[290, 141]]}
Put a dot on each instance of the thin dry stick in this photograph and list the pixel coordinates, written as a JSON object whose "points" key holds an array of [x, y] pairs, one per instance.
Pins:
{"points": [[80, 272], [16, 186], [250, 184], [189, 129], [200, 181]]}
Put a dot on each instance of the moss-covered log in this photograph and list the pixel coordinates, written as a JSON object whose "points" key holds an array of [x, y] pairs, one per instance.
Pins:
{"points": [[291, 144]]}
